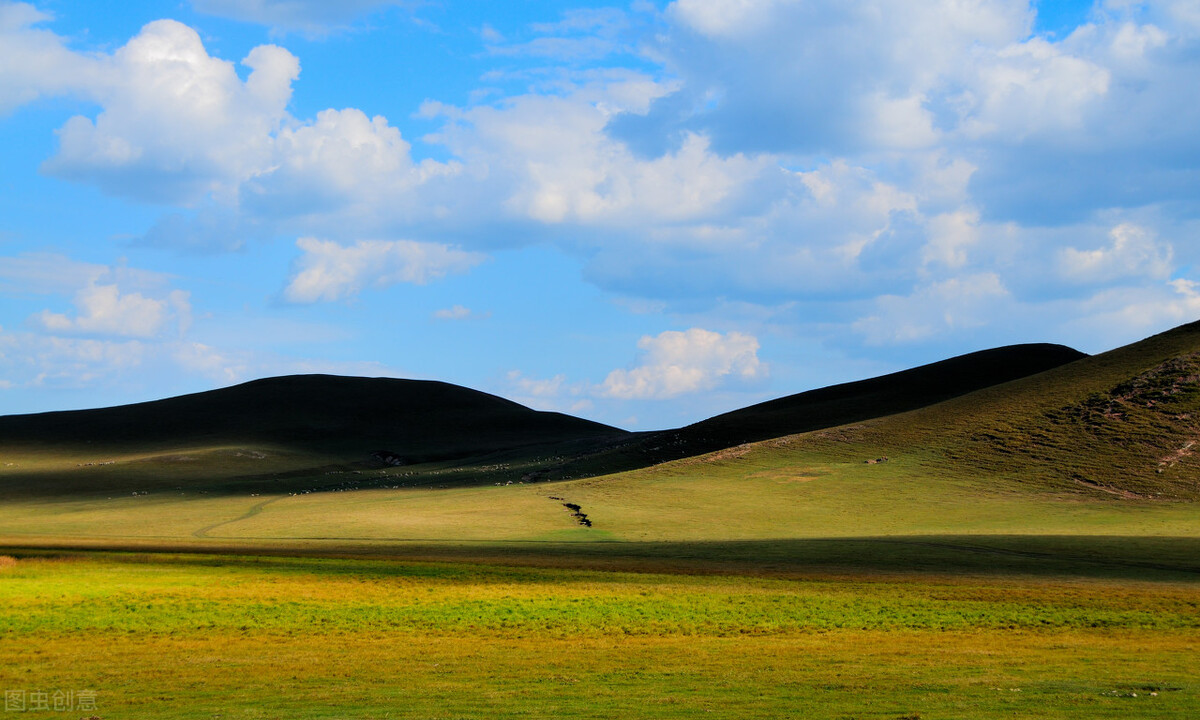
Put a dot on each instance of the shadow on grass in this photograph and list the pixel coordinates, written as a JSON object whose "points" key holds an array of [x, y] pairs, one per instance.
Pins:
{"points": [[1152, 558]]}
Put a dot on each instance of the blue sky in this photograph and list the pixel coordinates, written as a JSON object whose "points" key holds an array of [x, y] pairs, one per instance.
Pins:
{"points": [[642, 213]]}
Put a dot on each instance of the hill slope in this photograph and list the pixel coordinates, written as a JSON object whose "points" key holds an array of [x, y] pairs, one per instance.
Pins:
{"points": [[303, 427], [1125, 422], [837, 405], [268, 434], [422, 420]]}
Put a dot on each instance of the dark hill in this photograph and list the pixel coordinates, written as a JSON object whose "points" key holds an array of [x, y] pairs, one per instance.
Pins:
{"points": [[841, 404], [339, 416], [307, 432]]}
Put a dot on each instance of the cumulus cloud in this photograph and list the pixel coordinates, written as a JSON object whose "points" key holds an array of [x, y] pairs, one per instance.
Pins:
{"points": [[109, 300], [330, 271], [105, 310], [675, 363], [884, 155], [176, 124], [950, 236], [935, 309], [1132, 251], [552, 162], [342, 163], [40, 361], [35, 62]]}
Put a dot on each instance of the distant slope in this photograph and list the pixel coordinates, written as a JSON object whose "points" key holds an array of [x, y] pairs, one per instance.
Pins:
{"points": [[291, 432], [839, 404], [880, 396], [421, 420], [1125, 423]]}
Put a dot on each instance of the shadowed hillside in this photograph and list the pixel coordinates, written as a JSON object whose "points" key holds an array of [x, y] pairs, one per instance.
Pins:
{"points": [[417, 420], [285, 434], [841, 404], [294, 433]]}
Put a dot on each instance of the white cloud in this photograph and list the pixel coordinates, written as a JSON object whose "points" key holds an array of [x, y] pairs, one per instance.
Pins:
{"points": [[207, 361], [675, 363], [109, 300], [551, 160], [35, 62], [555, 394], [177, 125], [1032, 87], [724, 18], [939, 154], [935, 309], [457, 312], [950, 234], [582, 34], [537, 388], [33, 360], [343, 164], [1114, 316], [313, 17], [47, 273], [331, 271], [1132, 251], [104, 310]]}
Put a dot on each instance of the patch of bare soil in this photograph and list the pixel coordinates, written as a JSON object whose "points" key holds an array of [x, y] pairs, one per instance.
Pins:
{"points": [[1169, 460], [1126, 494]]}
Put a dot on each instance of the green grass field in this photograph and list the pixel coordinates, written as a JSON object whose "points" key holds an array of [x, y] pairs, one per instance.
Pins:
{"points": [[169, 636], [744, 584], [1029, 550]]}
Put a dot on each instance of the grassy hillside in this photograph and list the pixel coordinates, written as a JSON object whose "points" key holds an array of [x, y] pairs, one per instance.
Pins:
{"points": [[269, 434], [320, 432], [841, 404], [1023, 550], [1125, 423]]}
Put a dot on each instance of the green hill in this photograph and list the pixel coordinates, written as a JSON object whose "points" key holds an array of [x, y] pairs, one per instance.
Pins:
{"points": [[1082, 463], [280, 433], [1125, 422], [835, 405]]}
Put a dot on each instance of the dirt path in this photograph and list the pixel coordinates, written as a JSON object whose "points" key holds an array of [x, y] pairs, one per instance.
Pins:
{"points": [[251, 512]]}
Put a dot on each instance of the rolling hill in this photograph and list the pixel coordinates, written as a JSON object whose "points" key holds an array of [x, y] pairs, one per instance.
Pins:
{"points": [[280, 433], [1125, 422], [418, 420], [1088, 461], [266, 433], [839, 404]]}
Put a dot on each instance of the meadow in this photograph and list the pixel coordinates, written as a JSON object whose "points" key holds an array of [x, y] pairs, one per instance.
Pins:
{"points": [[745, 584], [1031, 549], [196, 636]]}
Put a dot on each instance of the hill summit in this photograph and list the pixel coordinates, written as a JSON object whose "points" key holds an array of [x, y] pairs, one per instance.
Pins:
{"points": [[419, 420]]}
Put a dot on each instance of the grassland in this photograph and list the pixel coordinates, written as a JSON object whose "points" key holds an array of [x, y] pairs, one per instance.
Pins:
{"points": [[250, 637], [744, 584], [1028, 550]]}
